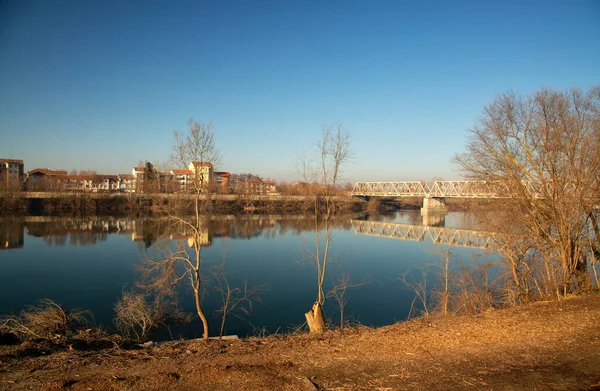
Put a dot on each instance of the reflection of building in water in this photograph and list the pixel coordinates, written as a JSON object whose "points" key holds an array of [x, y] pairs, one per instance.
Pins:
{"points": [[11, 234], [82, 231], [203, 237]]}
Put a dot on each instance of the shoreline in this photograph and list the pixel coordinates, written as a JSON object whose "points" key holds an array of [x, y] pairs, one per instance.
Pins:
{"points": [[544, 345]]}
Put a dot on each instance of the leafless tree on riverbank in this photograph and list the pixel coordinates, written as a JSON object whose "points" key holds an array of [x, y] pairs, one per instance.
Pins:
{"points": [[545, 148], [333, 149], [196, 146]]}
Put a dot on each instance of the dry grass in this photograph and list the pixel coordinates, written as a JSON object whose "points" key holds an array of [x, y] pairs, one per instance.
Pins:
{"points": [[550, 345], [47, 327], [46, 321]]}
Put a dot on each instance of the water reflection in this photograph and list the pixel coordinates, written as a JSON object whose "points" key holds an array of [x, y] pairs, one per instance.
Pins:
{"points": [[11, 234], [92, 258], [89, 231], [419, 233]]}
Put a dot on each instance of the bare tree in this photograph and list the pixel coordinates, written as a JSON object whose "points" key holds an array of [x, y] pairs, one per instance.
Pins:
{"points": [[333, 149], [137, 314], [195, 148], [545, 151], [235, 300], [338, 292]]}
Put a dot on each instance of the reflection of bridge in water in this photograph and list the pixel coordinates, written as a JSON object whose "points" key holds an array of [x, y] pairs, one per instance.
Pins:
{"points": [[419, 233]]}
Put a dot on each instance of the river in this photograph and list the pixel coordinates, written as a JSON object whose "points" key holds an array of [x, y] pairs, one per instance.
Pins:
{"points": [[88, 262]]}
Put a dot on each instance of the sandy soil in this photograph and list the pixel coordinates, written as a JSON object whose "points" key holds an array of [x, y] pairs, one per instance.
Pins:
{"points": [[544, 346]]}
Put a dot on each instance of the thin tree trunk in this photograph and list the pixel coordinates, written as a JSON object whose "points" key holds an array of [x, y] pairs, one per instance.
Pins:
{"points": [[201, 313]]}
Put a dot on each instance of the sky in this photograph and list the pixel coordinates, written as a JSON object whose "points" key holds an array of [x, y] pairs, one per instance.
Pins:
{"points": [[103, 84]]}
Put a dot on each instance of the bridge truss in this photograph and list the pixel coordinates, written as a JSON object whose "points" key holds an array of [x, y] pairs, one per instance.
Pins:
{"points": [[441, 189], [419, 233]]}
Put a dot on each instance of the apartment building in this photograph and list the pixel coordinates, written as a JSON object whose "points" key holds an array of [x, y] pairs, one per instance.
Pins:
{"points": [[12, 173]]}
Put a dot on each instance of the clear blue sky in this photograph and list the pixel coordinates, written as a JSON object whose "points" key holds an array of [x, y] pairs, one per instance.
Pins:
{"points": [[102, 84]]}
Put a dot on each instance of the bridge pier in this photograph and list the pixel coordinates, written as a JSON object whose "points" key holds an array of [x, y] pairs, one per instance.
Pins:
{"points": [[434, 205]]}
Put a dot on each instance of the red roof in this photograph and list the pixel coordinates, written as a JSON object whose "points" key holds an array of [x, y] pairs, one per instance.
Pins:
{"points": [[222, 174], [182, 172], [47, 171], [126, 176], [139, 168]]}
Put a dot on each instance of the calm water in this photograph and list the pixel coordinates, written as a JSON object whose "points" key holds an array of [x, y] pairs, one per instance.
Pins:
{"points": [[87, 262]]}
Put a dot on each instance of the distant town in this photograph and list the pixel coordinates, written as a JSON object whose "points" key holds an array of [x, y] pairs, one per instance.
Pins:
{"points": [[142, 179]]}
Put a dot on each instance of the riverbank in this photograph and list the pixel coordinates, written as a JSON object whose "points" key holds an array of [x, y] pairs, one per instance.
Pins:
{"points": [[91, 203], [547, 345]]}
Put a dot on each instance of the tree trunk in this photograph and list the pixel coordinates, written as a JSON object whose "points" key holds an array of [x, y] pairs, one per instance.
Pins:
{"points": [[314, 319], [201, 314]]}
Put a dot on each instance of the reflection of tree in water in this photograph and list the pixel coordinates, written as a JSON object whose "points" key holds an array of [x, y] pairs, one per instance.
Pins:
{"points": [[79, 232], [306, 225], [85, 238], [248, 229], [88, 238], [86, 231]]}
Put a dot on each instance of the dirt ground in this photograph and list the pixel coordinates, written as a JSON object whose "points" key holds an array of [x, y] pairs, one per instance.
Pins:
{"points": [[544, 346]]}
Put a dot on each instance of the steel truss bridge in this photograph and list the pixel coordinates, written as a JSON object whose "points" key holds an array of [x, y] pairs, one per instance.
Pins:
{"points": [[439, 189], [419, 233]]}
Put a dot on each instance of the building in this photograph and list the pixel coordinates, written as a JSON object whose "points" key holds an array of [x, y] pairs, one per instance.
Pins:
{"points": [[12, 173], [203, 172], [78, 182], [269, 186], [222, 180], [106, 183], [45, 179], [258, 186], [138, 178], [181, 180], [126, 183]]}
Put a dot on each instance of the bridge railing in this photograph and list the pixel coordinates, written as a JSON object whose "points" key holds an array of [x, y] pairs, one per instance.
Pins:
{"points": [[454, 189], [406, 189], [469, 189], [441, 189]]}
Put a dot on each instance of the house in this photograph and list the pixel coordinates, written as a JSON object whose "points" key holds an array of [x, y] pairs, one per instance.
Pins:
{"points": [[105, 183], [45, 179], [203, 172], [138, 178], [181, 179], [165, 182], [269, 186], [252, 186], [222, 180], [78, 182], [11, 173], [258, 186], [126, 183]]}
